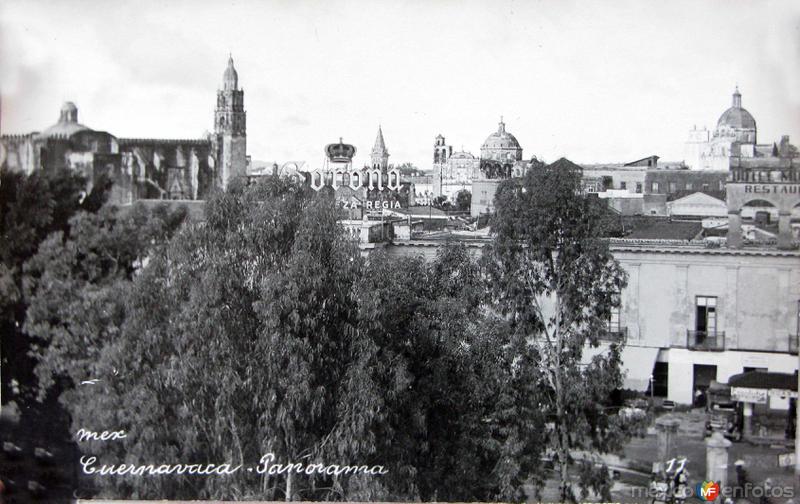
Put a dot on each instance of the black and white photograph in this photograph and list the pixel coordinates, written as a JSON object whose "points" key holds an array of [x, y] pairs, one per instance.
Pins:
{"points": [[399, 251]]}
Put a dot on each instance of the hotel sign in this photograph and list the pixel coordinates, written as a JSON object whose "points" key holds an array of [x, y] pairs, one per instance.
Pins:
{"points": [[772, 188], [749, 395]]}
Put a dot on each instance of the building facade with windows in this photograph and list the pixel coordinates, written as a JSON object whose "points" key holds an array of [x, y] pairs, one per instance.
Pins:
{"points": [[455, 174], [692, 313], [697, 309], [711, 312]]}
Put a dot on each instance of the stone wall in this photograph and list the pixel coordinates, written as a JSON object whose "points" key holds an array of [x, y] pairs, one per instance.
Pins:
{"points": [[163, 169], [18, 153]]}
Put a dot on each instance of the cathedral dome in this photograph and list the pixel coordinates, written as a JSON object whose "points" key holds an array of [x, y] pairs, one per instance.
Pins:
{"points": [[230, 78], [67, 124], [501, 145], [736, 117]]}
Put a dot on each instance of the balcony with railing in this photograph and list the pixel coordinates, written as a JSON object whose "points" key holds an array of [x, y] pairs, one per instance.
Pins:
{"points": [[615, 335], [705, 340]]}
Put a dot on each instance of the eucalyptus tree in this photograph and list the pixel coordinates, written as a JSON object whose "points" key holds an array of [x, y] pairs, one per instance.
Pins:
{"points": [[551, 274]]}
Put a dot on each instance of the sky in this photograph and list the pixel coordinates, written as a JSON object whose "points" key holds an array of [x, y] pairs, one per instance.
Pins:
{"points": [[593, 81]]}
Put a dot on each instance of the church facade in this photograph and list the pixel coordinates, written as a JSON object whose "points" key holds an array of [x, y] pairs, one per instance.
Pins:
{"points": [[181, 169]]}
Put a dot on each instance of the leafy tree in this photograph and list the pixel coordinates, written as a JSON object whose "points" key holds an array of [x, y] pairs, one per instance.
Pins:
{"points": [[31, 207], [552, 276], [463, 200], [407, 169], [76, 285], [441, 202], [457, 421], [256, 303], [265, 331]]}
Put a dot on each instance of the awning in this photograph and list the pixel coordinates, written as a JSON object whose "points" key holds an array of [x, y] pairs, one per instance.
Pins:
{"points": [[637, 364], [764, 380], [755, 386]]}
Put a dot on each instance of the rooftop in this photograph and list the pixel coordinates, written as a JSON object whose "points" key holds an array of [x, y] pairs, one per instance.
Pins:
{"points": [[663, 229]]}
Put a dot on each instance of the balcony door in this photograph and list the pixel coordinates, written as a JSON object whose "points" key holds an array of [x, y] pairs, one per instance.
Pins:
{"points": [[705, 317]]}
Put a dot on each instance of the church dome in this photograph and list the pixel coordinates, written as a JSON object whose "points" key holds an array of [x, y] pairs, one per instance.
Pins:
{"points": [[67, 124], [736, 117], [501, 145], [230, 79]]}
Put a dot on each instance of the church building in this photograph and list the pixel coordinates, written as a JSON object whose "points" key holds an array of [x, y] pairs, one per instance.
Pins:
{"points": [[501, 158], [141, 168], [735, 136]]}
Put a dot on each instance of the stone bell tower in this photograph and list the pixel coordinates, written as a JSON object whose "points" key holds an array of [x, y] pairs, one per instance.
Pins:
{"points": [[230, 126], [379, 157]]}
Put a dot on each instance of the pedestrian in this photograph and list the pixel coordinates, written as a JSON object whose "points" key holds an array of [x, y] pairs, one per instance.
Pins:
{"points": [[767, 493], [680, 486], [741, 474]]}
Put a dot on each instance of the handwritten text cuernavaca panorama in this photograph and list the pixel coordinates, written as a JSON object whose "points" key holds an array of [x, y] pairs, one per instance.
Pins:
{"points": [[266, 465]]}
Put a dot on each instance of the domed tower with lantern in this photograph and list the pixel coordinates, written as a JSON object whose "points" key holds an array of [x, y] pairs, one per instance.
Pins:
{"points": [[735, 136], [499, 153], [736, 123]]}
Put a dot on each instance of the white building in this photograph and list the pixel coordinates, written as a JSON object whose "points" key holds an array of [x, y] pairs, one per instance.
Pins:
{"points": [[734, 136], [697, 205], [711, 313]]}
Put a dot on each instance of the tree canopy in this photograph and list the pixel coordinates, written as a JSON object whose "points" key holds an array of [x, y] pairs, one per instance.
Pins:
{"points": [[264, 330], [463, 200], [553, 277], [31, 207]]}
